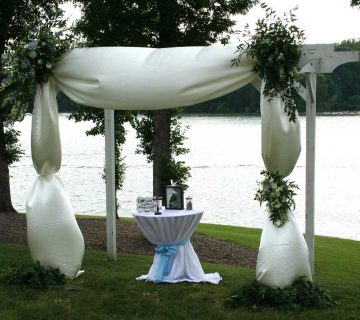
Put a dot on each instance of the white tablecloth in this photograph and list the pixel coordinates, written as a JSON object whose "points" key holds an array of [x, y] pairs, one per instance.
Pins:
{"points": [[173, 227]]}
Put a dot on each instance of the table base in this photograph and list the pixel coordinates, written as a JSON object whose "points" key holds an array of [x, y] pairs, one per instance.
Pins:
{"points": [[186, 267]]}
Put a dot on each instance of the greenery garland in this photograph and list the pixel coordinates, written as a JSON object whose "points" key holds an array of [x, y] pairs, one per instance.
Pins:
{"points": [[275, 49], [278, 194], [36, 276], [31, 62], [300, 295]]}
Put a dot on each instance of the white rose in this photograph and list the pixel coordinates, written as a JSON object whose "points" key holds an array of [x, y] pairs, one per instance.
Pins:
{"points": [[48, 65], [32, 54], [40, 61]]}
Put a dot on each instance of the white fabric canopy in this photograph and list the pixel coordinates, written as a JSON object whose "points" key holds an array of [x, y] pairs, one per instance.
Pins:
{"points": [[132, 79], [146, 78]]}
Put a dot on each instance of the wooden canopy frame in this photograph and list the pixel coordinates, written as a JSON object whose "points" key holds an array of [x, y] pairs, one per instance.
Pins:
{"points": [[320, 58]]}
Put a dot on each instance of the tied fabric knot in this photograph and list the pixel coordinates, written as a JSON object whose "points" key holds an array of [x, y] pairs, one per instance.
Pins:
{"points": [[166, 251]]}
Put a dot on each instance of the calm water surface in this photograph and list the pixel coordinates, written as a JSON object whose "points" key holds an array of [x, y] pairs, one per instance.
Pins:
{"points": [[225, 163]]}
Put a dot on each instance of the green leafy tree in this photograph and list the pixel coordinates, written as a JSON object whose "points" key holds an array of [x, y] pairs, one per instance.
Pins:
{"points": [[355, 3], [160, 24], [103, 24], [185, 23], [17, 19]]}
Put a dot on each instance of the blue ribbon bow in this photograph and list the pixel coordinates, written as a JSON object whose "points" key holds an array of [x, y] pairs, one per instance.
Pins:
{"points": [[166, 251]]}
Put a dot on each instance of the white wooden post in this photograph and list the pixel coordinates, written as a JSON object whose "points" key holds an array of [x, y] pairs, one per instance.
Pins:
{"points": [[110, 185], [320, 58], [310, 165]]}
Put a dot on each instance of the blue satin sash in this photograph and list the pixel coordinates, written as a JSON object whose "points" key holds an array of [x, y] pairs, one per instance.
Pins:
{"points": [[166, 251]]}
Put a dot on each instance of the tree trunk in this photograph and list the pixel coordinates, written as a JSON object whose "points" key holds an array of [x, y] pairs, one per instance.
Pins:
{"points": [[6, 13], [161, 150], [167, 38], [5, 196]]}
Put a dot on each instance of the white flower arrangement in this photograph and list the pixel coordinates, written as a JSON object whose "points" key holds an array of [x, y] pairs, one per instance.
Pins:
{"points": [[278, 194]]}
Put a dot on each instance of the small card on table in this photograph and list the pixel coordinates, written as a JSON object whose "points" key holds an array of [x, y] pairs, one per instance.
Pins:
{"points": [[146, 204]]}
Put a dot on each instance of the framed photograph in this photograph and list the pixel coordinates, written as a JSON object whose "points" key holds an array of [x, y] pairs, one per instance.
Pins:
{"points": [[174, 198]]}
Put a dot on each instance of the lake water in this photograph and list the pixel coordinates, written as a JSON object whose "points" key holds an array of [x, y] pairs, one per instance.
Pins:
{"points": [[225, 161]]}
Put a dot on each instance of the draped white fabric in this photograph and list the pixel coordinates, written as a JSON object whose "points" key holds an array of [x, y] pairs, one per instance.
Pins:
{"points": [[45, 135], [54, 237], [180, 225], [175, 226], [186, 267], [283, 253], [146, 78], [280, 138]]}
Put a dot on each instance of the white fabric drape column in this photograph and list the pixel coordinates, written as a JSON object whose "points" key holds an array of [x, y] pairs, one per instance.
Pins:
{"points": [[283, 253], [54, 237]]}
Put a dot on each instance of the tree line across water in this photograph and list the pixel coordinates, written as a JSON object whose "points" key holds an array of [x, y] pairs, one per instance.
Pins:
{"points": [[338, 91]]}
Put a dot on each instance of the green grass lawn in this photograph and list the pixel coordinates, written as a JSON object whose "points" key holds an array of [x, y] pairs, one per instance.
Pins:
{"points": [[109, 290]]}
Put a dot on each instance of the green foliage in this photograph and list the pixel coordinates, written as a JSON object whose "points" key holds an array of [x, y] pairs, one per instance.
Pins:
{"points": [[19, 21], [176, 171], [29, 52], [30, 62], [348, 45], [34, 58], [27, 63], [36, 276], [19, 17], [145, 133], [275, 48], [355, 3], [160, 24], [171, 169], [97, 292], [13, 151], [278, 194], [152, 23], [300, 295]]}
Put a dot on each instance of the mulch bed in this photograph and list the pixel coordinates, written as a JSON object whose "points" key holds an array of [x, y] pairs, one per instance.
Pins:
{"points": [[131, 240]]}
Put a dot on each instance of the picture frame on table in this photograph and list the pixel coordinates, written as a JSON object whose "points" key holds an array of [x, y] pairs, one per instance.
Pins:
{"points": [[174, 198]]}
